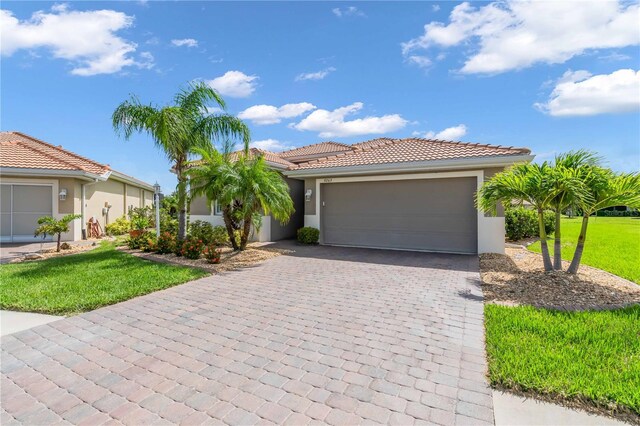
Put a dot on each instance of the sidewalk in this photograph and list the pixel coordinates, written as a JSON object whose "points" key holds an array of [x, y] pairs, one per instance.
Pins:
{"points": [[516, 410], [12, 322]]}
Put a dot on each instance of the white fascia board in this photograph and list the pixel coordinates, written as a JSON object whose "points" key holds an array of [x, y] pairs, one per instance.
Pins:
{"points": [[19, 171], [414, 166]]}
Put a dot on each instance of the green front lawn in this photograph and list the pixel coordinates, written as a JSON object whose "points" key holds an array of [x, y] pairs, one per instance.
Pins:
{"points": [[613, 244], [86, 281], [588, 356]]}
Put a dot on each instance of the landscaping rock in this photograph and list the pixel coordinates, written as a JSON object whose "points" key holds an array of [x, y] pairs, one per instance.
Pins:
{"points": [[518, 278]]}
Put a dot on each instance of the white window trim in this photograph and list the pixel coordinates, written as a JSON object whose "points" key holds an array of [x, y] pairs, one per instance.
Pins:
{"points": [[217, 210]]}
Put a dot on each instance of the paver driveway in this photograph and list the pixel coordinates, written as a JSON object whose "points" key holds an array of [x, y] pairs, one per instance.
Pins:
{"points": [[335, 335]]}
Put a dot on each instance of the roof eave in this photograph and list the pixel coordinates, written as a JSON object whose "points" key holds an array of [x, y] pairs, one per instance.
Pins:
{"points": [[79, 174], [413, 166], [128, 179]]}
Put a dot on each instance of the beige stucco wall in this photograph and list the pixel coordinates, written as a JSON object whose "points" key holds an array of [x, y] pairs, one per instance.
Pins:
{"points": [[200, 206], [134, 197], [110, 192], [487, 175]]}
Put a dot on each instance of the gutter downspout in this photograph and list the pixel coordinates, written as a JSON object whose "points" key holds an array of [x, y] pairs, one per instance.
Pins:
{"points": [[83, 208]]}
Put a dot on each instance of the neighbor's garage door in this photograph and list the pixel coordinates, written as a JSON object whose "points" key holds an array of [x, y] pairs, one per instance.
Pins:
{"points": [[20, 208], [422, 214]]}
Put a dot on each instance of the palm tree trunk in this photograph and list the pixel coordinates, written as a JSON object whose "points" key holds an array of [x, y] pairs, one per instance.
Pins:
{"points": [[58, 246], [246, 230], [577, 256], [557, 244], [182, 202], [226, 216], [546, 260]]}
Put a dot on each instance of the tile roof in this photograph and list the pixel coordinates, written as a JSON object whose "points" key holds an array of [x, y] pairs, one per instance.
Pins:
{"points": [[269, 156], [315, 150], [23, 151], [385, 151]]}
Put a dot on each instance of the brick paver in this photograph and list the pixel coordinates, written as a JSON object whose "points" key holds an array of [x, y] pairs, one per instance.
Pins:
{"points": [[335, 335]]}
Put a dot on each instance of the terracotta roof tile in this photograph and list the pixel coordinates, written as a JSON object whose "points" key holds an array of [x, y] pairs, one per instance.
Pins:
{"points": [[315, 149], [384, 151], [23, 151]]}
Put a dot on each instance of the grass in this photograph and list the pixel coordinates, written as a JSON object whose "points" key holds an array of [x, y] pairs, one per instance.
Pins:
{"points": [[612, 244], [86, 281], [592, 356]]}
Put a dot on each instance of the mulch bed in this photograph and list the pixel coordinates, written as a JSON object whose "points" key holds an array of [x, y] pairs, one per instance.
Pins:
{"points": [[229, 260], [518, 278], [51, 252]]}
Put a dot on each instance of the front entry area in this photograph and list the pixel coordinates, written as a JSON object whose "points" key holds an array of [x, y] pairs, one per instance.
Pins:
{"points": [[418, 214], [20, 207]]}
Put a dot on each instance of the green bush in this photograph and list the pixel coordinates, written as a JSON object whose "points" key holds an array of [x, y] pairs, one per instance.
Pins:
{"points": [[308, 235], [220, 236], [141, 217], [166, 243], [168, 223], [192, 248], [618, 213], [141, 241], [149, 242], [120, 226], [201, 230], [522, 223], [212, 253], [177, 247]]}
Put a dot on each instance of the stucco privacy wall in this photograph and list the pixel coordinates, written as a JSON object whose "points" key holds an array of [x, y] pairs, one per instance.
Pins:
{"points": [[490, 228]]}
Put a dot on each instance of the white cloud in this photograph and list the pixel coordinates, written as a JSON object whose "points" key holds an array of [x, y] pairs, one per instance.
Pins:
{"points": [[347, 11], [435, 7], [86, 38], [615, 56], [510, 35], [318, 75], [235, 84], [332, 123], [421, 61], [272, 145], [580, 93], [187, 42], [454, 133], [269, 114]]}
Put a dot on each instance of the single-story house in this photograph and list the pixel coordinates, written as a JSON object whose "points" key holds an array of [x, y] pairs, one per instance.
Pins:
{"points": [[404, 194], [40, 179]]}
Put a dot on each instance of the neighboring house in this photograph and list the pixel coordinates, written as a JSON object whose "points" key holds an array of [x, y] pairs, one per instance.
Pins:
{"points": [[39, 179], [407, 194]]}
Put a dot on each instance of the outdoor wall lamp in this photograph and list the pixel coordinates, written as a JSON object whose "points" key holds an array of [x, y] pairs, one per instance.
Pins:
{"points": [[63, 194], [308, 194]]}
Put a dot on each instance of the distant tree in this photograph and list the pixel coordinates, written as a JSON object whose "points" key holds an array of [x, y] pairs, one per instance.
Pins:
{"points": [[50, 226]]}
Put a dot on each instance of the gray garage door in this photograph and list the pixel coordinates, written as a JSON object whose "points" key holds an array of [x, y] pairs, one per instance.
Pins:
{"points": [[20, 208], [424, 214]]}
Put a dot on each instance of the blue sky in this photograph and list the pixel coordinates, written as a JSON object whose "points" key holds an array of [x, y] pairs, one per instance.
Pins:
{"points": [[551, 76]]}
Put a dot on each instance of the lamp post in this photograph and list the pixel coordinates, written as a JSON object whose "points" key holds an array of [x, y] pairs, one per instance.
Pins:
{"points": [[156, 194]]}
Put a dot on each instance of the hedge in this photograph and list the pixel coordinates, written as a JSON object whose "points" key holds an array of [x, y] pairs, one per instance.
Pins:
{"points": [[522, 223]]}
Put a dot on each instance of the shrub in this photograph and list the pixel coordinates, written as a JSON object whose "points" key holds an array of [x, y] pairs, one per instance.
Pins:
{"points": [[149, 242], [212, 253], [166, 243], [141, 218], [140, 241], [120, 226], [168, 223], [220, 235], [177, 247], [618, 213], [201, 230], [192, 248], [522, 223], [308, 235]]}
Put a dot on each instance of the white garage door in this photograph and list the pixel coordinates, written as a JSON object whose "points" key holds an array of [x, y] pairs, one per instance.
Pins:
{"points": [[20, 208], [419, 214]]}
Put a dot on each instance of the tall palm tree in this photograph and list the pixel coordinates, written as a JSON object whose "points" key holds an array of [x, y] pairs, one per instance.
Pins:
{"points": [[179, 128], [525, 182], [247, 188], [569, 188], [606, 189]]}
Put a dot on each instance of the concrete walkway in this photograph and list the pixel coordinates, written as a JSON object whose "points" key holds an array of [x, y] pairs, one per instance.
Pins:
{"points": [[330, 335], [12, 322], [513, 410]]}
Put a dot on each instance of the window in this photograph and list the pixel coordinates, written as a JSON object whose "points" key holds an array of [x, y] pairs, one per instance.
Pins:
{"points": [[217, 209]]}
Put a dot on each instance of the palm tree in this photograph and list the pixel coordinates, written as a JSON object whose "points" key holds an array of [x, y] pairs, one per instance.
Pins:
{"points": [[606, 189], [246, 186], [179, 128], [569, 188], [531, 183]]}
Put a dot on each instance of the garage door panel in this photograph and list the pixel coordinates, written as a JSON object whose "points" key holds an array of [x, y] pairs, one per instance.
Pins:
{"points": [[426, 214], [22, 206]]}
